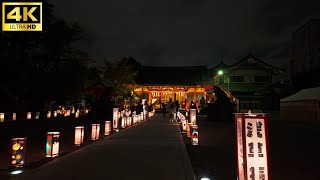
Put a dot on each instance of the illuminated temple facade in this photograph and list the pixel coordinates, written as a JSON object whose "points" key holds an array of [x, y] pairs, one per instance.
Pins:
{"points": [[159, 84]]}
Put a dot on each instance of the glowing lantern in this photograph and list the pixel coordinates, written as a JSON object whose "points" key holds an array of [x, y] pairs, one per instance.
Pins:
{"points": [[195, 135], [14, 116], [55, 114], [28, 115], [87, 111], [1, 117], [142, 117], [73, 111], [95, 131], [18, 152], [37, 115], [123, 122], [49, 114], [184, 124], [68, 112], [128, 121], [52, 147], [175, 116], [193, 116], [78, 135], [107, 128], [186, 113], [189, 129], [77, 114], [115, 117]]}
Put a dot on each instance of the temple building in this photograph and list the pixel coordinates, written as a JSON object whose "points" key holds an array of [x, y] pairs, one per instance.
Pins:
{"points": [[185, 84]]}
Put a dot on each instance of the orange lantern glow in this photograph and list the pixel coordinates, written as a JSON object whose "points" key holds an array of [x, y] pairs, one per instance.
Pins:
{"points": [[78, 135], [14, 116], [1, 117], [49, 114], [107, 128], [115, 118], [95, 131], [18, 152], [68, 112], [123, 122], [52, 146], [189, 129], [77, 114]]}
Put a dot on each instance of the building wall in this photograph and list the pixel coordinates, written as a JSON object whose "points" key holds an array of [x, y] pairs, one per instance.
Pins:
{"points": [[249, 75]]}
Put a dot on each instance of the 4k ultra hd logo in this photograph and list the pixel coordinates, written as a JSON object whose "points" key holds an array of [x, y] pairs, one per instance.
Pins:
{"points": [[22, 16]]}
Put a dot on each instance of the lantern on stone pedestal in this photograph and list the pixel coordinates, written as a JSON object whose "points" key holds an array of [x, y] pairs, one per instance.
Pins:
{"points": [[14, 116], [193, 116], [107, 128], [18, 152], [78, 135], [52, 146], [28, 115], [95, 132]]}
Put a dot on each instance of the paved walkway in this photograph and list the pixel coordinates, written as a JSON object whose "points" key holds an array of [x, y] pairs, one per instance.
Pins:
{"points": [[150, 150]]}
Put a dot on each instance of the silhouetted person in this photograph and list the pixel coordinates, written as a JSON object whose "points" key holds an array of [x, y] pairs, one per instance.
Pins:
{"points": [[177, 105], [164, 109], [193, 105], [171, 108]]}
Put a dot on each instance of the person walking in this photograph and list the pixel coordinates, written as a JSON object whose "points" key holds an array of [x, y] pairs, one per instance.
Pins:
{"points": [[171, 108], [164, 109]]}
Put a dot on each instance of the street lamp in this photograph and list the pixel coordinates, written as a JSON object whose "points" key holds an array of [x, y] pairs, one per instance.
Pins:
{"points": [[220, 73]]}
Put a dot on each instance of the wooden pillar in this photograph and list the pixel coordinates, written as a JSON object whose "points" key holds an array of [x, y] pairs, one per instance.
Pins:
{"points": [[160, 99]]}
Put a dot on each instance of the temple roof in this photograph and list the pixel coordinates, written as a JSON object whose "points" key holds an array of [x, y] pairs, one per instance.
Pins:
{"points": [[188, 75]]}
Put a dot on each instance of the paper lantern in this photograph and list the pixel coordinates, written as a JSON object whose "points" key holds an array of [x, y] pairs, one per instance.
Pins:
{"points": [[55, 114], [123, 122], [107, 128], [73, 111], [186, 113], [68, 112], [189, 129], [141, 116], [14, 116], [1, 117], [18, 152], [194, 135], [115, 118], [78, 135], [128, 121], [95, 132], [77, 114], [28, 115], [87, 111], [193, 116], [49, 114], [37, 115], [184, 124], [52, 146]]}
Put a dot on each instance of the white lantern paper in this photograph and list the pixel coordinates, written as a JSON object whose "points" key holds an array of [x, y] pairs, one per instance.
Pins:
{"points": [[186, 113], [68, 112], [194, 135], [128, 121], [55, 114], [95, 131], [77, 114], [37, 115], [141, 116], [107, 128], [1, 117], [28, 115], [52, 146], [184, 124], [14, 116], [115, 118], [78, 135], [193, 116]]}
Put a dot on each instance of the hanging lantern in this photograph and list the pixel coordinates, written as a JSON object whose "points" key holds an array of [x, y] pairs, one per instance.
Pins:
{"points": [[78, 135], [55, 114], [107, 128], [193, 116], [195, 135], [37, 115], [14, 116], [115, 117], [28, 115], [18, 152], [52, 147], [95, 132]]}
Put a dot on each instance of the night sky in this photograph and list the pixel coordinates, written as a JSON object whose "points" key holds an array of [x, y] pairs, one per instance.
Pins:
{"points": [[188, 32]]}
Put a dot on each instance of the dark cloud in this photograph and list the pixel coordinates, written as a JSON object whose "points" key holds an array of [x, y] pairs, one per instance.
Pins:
{"points": [[188, 32]]}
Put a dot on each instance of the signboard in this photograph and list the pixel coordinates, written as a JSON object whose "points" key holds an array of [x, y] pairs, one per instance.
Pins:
{"points": [[52, 147], [18, 151], [115, 118], [252, 147], [78, 135], [193, 116]]}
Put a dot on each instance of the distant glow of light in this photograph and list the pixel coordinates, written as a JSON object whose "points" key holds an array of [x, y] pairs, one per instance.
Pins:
{"points": [[204, 178], [16, 172], [220, 72]]}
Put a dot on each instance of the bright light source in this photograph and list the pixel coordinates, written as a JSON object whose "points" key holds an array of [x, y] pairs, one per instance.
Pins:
{"points": [[220, 72], [204, 178], [16, 172]]}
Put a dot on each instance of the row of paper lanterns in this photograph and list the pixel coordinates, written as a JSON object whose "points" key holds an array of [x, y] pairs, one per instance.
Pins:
{"points": [[49, 114], [190, 127], [18, 150]]}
